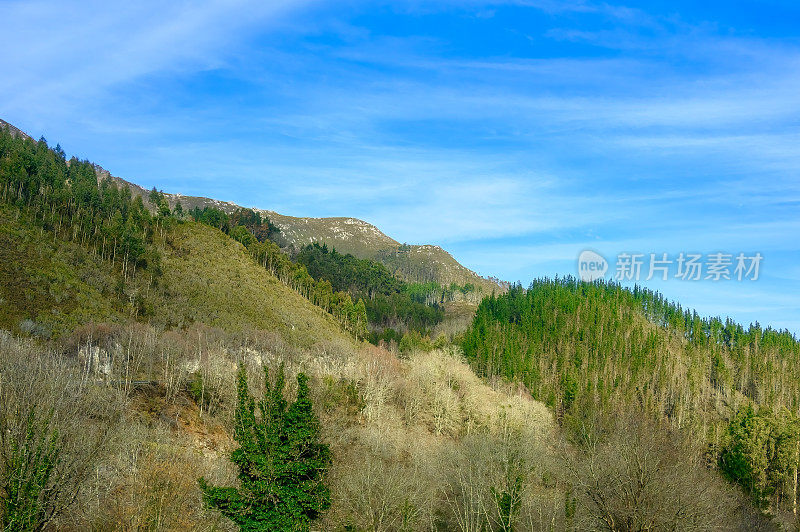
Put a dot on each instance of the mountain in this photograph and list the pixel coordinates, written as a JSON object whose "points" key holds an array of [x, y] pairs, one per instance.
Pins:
{"points": [[49, 286], [413, 263]]}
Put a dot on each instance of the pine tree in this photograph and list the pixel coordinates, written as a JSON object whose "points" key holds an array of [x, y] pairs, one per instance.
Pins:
{"points": [[281, 461]]}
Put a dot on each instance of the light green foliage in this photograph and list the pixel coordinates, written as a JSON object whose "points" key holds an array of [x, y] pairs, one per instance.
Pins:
{"points": [[585, 347], [26, 474], [414, 341]]}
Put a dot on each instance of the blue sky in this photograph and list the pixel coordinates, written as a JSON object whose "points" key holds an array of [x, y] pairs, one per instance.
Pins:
{"points": [[514, 134]]}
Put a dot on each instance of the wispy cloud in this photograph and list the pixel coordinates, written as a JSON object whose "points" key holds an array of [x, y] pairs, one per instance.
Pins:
{"points": [[64, 53]]}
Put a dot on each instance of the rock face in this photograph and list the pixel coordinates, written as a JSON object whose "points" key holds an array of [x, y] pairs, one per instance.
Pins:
{"points": [[14, 131], [416, 263], [347, 235]]}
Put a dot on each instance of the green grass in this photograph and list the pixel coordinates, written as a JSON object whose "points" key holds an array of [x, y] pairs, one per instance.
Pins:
{"points": [[49, 286], [57, 285], [210, 278]]}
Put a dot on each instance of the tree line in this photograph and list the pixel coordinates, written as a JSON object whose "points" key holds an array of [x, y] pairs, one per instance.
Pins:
{"points": [[64, 196], [390, 302]]}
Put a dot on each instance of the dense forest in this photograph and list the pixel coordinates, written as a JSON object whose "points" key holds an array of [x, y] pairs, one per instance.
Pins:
{"points": [[598, 347], [65, 198], [390, 303]]}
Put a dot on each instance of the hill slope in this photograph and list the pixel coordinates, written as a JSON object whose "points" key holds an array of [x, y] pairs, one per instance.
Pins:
{"points": [[49, 286], [52, 286], [413, 263], [16, 132], [591, 349], [210, 278]]}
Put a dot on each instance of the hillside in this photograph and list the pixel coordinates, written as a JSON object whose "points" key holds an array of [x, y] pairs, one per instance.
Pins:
{"points": [[389, 422], [49, 286], [13, 130], [130, 319], [593, 349], [54, 286], [413, 263], [209, 278]]}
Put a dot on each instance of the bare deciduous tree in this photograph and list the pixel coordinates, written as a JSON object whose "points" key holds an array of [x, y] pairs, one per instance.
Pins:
{"points": [[636, 476], [53, 429]]}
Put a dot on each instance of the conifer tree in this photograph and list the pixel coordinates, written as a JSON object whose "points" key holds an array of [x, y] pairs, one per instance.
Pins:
{"points": [[281, 461]]}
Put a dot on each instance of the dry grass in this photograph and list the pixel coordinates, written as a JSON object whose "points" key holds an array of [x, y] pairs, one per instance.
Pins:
{"points": [[209, 278], [391, 424]]}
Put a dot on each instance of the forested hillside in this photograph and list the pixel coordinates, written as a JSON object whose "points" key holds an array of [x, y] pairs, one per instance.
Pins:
{"points": [[585, 348], [361, 293], [127, 243], [390, 303]]}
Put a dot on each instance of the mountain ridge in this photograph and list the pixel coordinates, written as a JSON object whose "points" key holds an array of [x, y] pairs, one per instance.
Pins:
{"points": [[347, 234], [410, 262]]}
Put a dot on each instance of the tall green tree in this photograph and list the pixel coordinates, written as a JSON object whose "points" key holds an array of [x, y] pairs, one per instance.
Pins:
{"points": [[760, 452], [281, 460]]}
